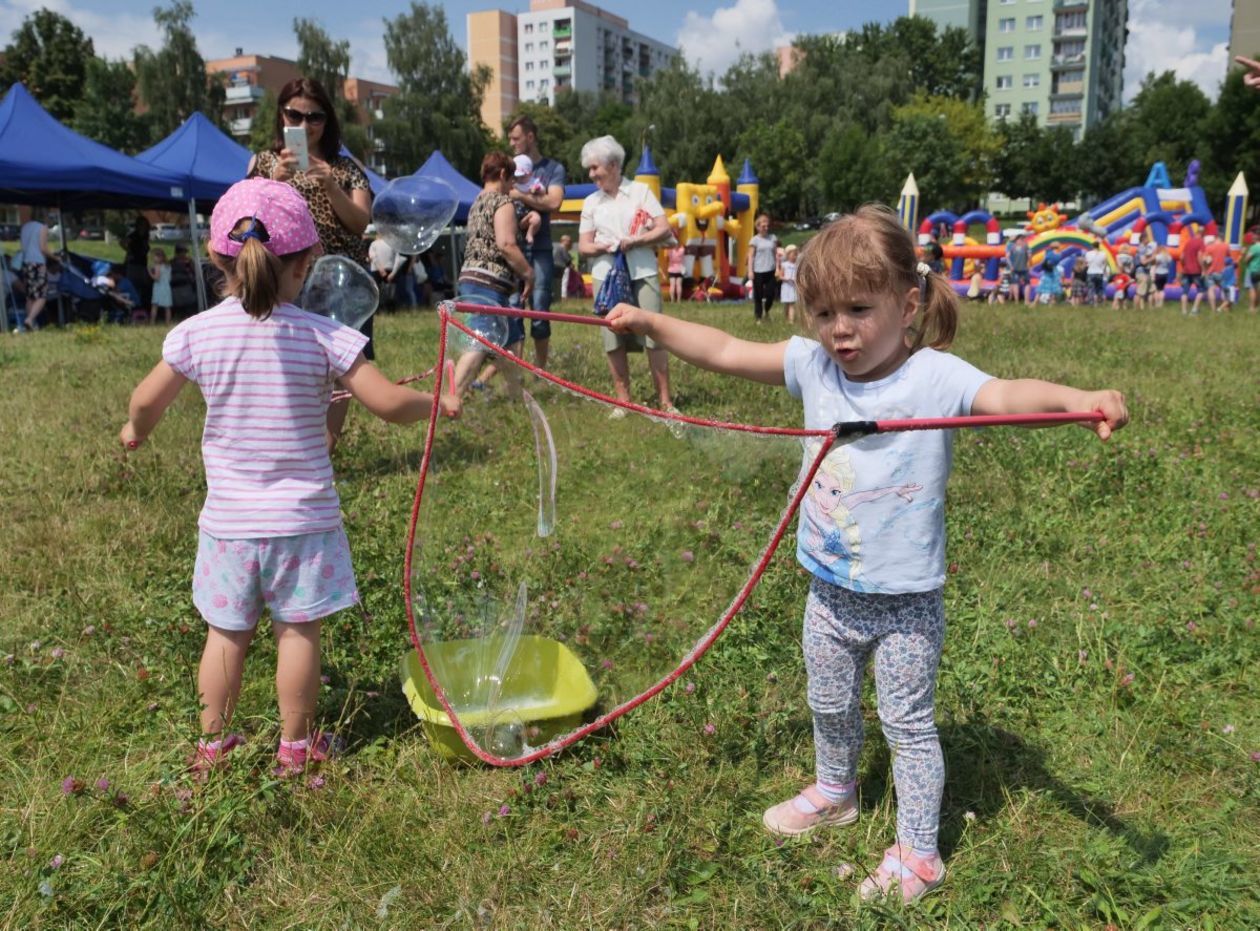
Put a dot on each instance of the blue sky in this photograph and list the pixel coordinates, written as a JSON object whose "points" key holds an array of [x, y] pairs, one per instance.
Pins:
{"points": [[1189, 38]]}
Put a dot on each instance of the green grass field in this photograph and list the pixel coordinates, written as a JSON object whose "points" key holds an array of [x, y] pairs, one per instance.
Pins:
{"points": [[1097, 697]]}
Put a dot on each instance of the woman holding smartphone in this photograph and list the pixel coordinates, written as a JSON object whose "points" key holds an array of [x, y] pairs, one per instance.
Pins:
{"points": [[333, 185]]}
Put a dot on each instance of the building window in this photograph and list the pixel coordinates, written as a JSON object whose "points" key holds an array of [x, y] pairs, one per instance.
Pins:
{"points": [[544, 45], [544, 65], [1005, 82], [1030, 107], [1065, 106], [529, 28], [1002, 110], [529, 66], [544, 26], [529, 46], [1033, 23], [1032, 52], [1032, 80], [1005, 52], [1007, 2], [543, 84], [529, 85], [1006, 24]]}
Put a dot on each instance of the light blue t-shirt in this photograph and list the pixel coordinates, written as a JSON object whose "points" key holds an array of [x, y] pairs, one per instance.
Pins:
{"points": [[874, 519]]}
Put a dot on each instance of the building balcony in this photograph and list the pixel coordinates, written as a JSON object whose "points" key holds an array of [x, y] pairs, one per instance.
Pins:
{"points": [[1070, 32], [243, 93], [564, 49], [241, 127], [1066, 89], [562, 32], [1064, 119], [1067, 61], [561, 71], [1071, 4]]}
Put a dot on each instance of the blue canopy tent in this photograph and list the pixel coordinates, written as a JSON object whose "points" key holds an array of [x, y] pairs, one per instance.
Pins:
{"points": [[44, 162], [208, 162], [436, 166]]}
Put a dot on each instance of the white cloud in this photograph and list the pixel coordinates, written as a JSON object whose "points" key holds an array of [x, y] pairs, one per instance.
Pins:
{"points": [[1163, 36], [714, 43], [113, 36]]}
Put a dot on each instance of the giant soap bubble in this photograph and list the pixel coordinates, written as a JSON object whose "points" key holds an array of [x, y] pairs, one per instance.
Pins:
{"points": [[493, 328], [340, 288], [412, 211]]}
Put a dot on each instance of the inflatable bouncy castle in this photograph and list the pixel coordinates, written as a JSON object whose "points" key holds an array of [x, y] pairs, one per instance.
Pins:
{"points": [[710, 220], [1154, 212]]}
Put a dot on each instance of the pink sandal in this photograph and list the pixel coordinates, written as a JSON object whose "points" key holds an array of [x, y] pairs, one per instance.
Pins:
{"points": [[320, 746], [807, 811], [208, 757], [925, 876]]}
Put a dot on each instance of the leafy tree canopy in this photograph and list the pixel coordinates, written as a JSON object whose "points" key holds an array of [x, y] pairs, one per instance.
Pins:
{"points": [[49, 55]]}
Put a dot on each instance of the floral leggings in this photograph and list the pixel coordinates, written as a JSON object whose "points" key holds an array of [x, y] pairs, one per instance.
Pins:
{"points": [[905, 632]]}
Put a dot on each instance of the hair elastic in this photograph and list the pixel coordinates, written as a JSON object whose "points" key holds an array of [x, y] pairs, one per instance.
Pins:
{"points": [[923, 269], [252, 233]]}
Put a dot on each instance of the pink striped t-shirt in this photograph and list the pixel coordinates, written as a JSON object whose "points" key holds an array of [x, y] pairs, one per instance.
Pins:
{"points": [[267, 385]]}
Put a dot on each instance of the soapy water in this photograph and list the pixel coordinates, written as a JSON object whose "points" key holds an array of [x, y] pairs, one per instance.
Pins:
{"points": [[340, 289], [412, 211]]}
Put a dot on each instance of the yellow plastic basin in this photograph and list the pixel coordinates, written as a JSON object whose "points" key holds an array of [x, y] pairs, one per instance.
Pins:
{"points": [[544, 685]]}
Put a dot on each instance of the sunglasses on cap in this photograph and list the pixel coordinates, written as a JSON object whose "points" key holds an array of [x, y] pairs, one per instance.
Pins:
{"points": [[297, 117]]}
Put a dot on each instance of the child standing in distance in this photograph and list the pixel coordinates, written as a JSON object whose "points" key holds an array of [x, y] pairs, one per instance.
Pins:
{"points": [[787, 290], [270, 530], [674, 259], [872, 528], [160, 272]]}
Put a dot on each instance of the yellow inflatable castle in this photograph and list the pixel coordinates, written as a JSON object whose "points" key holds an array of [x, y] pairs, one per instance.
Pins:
{"points": [[713, 224]]}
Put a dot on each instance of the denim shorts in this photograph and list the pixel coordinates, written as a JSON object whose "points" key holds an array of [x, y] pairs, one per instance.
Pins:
{"points": [[477, 294], [298, 579]]}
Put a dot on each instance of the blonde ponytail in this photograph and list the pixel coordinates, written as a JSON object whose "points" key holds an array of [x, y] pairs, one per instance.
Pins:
{"points": [[254, 275]]}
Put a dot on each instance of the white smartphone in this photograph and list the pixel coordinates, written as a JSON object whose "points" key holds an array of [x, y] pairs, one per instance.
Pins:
{"points": [[295, 142]]}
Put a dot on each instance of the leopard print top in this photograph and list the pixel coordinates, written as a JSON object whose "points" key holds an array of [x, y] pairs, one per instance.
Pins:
{"points": [[333, 237]]}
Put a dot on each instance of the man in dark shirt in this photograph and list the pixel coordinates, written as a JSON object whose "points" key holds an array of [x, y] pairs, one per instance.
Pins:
{"points": [[523, 137]]}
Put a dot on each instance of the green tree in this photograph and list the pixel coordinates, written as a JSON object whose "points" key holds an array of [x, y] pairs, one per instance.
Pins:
{"points": [[1232, 132], [172, 80], [1168, 119], [1110, 157], [107, 111], [262, 130], [50, 55], [328, 62], [949, 146], [439, 101], [691, 126], [778, 154], [853, 169]]}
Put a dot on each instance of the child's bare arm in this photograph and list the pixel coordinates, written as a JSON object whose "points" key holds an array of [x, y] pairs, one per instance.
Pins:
{"points": [[704, 346], [388, 401], [1031, 396], [149, 402]]}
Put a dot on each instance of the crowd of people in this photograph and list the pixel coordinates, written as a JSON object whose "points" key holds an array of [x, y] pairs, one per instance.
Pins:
{"points": [[1206, 271]]}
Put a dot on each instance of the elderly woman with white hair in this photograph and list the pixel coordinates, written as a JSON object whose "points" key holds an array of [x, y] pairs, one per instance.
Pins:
{"points": [[624, 215]]}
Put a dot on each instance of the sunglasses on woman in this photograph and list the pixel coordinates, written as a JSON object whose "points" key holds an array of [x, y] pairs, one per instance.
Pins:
{"points": [[297, 117]]}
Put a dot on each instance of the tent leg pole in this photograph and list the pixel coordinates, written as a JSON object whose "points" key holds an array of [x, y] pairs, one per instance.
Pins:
{"points": [[196, 257], [61, 226]]}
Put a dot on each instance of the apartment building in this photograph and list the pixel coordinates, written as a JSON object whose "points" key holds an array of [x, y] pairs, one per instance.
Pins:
{"points": [[249, 77], [1060, 60], [1244, 29], [559, 45]]}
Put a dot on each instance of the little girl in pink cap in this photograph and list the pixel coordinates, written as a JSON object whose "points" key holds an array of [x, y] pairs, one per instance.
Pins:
{"points": [[270, 530]]}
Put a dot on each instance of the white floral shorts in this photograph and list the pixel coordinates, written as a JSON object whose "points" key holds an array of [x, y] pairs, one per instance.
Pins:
{"points": [[298, 579]]}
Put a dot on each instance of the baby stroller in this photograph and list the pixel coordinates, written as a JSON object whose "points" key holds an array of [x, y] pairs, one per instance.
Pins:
{"points": [[97, 291]]}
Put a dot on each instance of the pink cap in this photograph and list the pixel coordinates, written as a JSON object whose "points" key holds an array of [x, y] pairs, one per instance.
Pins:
{"points": [[275, 205]]}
